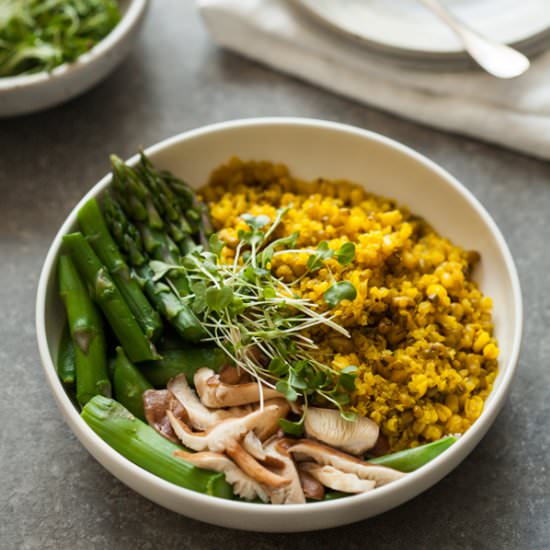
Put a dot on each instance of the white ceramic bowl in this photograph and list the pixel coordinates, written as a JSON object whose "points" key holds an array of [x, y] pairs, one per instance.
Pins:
{"points": [[311, 148], [29, 93]]}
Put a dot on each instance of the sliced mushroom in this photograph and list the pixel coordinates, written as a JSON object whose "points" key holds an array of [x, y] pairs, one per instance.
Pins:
{"points": [[214, 393], [253, 446], [291, 493], [267, 429], [328, 426], [250, 466], [155, 405], [243, 485], [233, 375], [381, 447], [324, 455], [296, 407], [312, 488], [200, 417], [219, 436], [335, 479]]}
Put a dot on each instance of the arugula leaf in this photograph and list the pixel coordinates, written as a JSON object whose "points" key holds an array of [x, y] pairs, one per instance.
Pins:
{"points": [[342, 290]]}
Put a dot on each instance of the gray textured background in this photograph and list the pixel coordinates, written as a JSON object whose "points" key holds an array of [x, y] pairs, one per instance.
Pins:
{"points": [[54, 495]]}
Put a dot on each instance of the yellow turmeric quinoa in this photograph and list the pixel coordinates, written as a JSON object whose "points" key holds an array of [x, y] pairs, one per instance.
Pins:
{"points": [[421, 330]]}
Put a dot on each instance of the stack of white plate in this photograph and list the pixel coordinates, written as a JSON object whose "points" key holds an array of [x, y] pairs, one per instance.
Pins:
{"points": [[404, 31]]}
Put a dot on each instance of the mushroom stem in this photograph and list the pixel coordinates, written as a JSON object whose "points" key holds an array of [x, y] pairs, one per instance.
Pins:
{"points": [[219, 436], [253, 446], [200, 417], [291, 493], [233, 375], [267, 429], [312, 488], [214, 393], [250, 466], [243, 485]]}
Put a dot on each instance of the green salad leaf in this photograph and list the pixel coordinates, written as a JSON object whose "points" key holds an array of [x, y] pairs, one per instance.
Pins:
{"points": [[39, 35]]}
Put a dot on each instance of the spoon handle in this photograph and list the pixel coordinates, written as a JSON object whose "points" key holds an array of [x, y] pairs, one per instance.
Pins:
{"points": [[497, 59]]}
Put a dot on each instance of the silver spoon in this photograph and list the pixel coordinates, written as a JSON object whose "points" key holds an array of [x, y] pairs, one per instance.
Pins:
{"points": [[497, 59]]}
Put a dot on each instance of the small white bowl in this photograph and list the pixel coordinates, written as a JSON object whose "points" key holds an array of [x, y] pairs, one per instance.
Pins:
{"points": [[311, 148], [30, 93]]}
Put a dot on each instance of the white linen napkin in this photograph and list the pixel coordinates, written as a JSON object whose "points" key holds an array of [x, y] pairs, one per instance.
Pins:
{"points": [[514, 113]]}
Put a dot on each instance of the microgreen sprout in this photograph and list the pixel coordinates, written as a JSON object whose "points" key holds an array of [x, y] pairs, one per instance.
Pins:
{"points": [[346, 253], [259, 321], [342, 290]]}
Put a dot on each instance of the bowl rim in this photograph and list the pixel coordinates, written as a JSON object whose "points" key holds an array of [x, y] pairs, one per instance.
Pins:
{"points": [[130, 17], [455, 454]]}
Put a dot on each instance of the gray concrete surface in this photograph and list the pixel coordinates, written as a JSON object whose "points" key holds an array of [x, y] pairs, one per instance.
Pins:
{"points": [[54, 495]]}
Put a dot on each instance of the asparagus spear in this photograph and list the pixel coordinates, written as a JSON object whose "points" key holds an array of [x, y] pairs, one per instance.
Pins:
{"points": [[93, 226], [87, 334], [181, 194], [139, 204], [66, 360], [412, 459], [168, 205], [186, 360], [143, 446], [128, 238], [129, 384], [109, 298]]}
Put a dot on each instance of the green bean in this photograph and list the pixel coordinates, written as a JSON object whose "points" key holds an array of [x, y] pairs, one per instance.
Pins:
{"points": [[145, 447], [129, 384], [185, 360], [412, 459]]}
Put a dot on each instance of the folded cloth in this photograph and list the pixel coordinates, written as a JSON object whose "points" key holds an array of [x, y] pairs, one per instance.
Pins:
{"points": [[514, 113]]}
